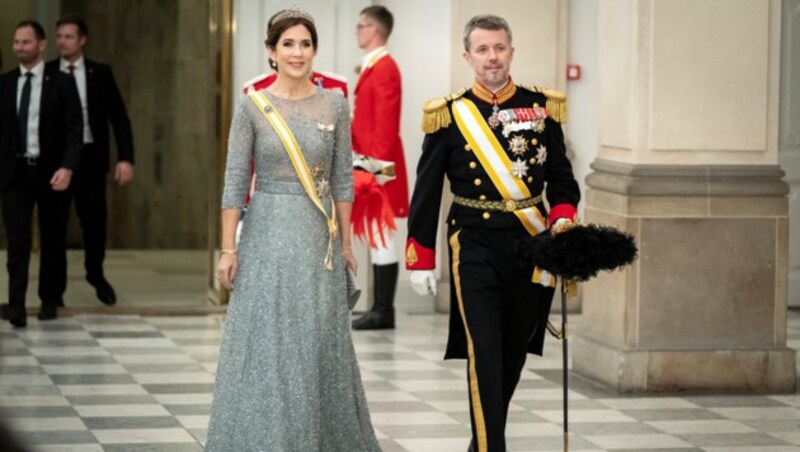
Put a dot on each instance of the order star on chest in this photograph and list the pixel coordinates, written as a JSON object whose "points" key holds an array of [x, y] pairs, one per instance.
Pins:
{"points": [[519, 168], [518, 145]]}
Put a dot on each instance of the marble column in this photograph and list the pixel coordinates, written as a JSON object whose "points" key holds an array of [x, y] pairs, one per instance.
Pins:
{"points": [[688, 163]]}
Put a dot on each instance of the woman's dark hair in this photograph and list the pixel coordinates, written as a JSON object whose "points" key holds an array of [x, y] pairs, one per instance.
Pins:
{"points": [[282, 21]]}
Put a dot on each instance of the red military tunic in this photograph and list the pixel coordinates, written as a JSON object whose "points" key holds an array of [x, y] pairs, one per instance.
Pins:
{"points": [[376, 124]]}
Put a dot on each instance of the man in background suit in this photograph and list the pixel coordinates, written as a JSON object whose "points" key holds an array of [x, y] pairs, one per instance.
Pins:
{"points": [[40, 144], [376, 133], [101, 104]]}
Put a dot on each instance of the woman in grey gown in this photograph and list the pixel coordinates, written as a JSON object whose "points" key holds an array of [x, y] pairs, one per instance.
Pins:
{"points": [[287, 378]]}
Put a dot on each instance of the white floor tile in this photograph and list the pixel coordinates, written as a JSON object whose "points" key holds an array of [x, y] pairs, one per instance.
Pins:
{"points": [[83, 390], [184, 399], [121, 410], [84, 369], [637, 441], [144, 358], [577, 416], [701, 426], [137, 343], [33, 401], [759, 413], [423, 418], [46, 424], [143, 436], [194, 421], [173, 378], [434, 444], [647, 403]]}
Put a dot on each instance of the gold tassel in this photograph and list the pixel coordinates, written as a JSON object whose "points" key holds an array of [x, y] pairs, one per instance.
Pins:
{"points": [[557, 109], [435, 120]]}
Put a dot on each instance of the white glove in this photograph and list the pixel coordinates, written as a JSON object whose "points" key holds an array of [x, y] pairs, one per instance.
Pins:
{"points": [[423, 282]]}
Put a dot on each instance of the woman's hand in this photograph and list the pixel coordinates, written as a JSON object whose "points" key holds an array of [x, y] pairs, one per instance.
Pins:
{"points": [[350, 260], [226, 270]]}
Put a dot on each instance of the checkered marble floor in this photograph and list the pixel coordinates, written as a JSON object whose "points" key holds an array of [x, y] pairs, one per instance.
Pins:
{"points": [[131, 383]]}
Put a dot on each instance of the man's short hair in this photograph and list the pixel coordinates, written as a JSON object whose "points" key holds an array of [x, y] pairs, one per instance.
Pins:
{"points": [[485, 22], [83, 29], [382, 16], [38, 29]]}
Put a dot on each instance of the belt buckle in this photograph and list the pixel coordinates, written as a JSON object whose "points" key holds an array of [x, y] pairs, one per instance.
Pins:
{"points": [[511, 205]]}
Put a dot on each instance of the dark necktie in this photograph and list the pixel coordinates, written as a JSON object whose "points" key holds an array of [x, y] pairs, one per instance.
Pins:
{"points": [[24, 103], [71, 69]]}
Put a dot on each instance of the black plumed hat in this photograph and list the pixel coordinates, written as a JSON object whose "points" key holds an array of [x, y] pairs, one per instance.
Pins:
{"points": [[578, 253]]}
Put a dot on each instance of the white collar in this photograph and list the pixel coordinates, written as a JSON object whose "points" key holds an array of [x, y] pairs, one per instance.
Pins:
{"points": [[368, 57], [37, 70], [77, 64]]}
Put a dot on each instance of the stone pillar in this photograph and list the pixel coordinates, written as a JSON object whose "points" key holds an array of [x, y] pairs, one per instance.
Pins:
{"points": [[688, 164], [790, 135]]}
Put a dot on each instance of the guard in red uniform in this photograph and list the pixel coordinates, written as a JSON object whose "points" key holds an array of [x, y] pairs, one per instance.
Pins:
{"points": [[376, 134], [500, 145]]}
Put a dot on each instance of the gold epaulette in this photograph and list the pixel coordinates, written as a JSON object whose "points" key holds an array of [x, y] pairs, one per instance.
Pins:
{"points": [[436, 115], [556, 103]]}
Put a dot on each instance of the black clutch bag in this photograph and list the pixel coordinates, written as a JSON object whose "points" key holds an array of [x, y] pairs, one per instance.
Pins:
{"points": [[353, 291]]}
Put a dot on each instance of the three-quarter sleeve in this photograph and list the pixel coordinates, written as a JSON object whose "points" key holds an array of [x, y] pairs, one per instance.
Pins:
{"points": [[342, 167], [240, 155]]}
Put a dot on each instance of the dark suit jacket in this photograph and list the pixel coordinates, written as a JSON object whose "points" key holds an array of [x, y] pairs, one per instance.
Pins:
{"points": [[60, 124], [105, 106]]}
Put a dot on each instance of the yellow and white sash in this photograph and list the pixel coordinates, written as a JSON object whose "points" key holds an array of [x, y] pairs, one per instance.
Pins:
{"points": [[495, 161], [300, 166]]}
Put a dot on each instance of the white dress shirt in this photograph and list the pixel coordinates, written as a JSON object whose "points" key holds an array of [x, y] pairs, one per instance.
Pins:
{"points": [[34, 106], [79, 72]]}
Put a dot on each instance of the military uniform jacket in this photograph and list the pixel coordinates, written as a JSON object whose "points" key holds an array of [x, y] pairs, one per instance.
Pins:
{"points": [[527, 126], [535, 146]]}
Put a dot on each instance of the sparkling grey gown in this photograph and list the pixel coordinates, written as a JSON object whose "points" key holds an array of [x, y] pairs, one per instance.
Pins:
{"points": [[287, 378]]}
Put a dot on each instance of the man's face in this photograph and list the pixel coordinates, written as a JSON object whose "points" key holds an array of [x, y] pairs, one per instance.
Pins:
{"points": [[490, 54], [26, 47], [70, 42], [365, 30]]}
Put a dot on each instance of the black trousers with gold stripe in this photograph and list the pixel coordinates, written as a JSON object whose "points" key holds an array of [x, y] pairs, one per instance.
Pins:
{"points": [[501, 309]]}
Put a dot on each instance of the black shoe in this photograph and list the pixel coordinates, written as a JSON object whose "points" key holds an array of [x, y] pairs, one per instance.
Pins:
{"points": [[48, 313], [104, 291], [18, 321], [60, 303], [375, 320]]}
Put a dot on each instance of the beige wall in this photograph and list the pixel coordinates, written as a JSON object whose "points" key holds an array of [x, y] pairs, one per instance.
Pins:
{"points": [[539, 29], [675, 93]]}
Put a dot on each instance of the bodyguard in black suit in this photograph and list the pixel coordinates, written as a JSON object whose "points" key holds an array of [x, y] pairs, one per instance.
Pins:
{"points": [[101, 104], [40, 143]]}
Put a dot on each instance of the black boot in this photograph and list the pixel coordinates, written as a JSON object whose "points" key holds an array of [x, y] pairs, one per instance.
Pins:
{"points": [[382, 314]]}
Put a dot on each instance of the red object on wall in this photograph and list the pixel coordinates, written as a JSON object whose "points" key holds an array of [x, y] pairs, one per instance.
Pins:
{"points": [[573, 72]]}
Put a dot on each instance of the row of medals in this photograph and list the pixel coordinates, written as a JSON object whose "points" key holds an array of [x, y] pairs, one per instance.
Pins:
{"points": [[518, 144]]}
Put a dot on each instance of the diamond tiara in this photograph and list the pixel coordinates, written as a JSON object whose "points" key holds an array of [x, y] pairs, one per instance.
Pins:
{"points": [[290, 13]]}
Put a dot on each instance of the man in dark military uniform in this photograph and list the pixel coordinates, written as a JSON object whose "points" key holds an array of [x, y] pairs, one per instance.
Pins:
{"points": [[500, 145]]}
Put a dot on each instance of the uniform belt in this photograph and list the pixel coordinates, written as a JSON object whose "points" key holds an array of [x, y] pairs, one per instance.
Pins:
{"points": [[505, 205]]}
